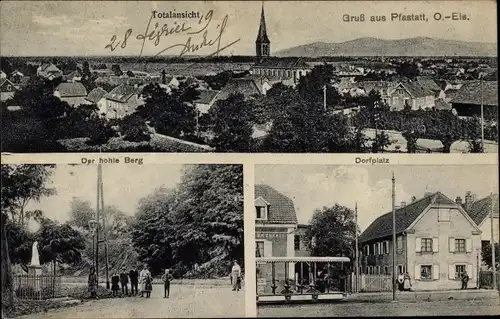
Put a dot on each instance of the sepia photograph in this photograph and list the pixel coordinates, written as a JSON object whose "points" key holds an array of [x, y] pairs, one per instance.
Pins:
{"points": [[122, 241], [235, 76], [400, 240]]}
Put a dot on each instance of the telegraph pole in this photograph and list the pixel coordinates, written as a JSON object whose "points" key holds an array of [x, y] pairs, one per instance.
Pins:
{"points": [[482, 112], [324, 97], [97, 234], [393, 238], [493, 259], [357, 249], [101, 193]]}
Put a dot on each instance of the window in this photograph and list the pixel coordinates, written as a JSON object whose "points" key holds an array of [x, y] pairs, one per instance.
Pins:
{"points": [[460, 245], [375, 249], [401, 269], [9, 87], [261, 212], [459, 271], [426, 245], [444, 215], [259, 249], [399, 243], [426, 272], [367, 250], [386, 270], [296, 242], [385, 247]]}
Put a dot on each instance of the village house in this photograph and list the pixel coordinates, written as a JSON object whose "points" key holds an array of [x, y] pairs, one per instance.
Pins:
{"points": [[263, 82], [97, 97], [74, 93], [7, 89], [248, 87], [436, 242], [480, 212], [74, 76], [468, 99], [275, 226], [122, 101], [49, 71], [205, 100]]}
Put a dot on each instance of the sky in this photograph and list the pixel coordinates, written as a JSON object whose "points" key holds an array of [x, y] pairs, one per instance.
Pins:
{"points": [[315, 186], [124, 186], [41, 28]]}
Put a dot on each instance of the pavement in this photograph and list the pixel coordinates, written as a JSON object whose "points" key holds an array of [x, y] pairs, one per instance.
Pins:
{"points": [[185, 301], [487, 307], [417, 296]]}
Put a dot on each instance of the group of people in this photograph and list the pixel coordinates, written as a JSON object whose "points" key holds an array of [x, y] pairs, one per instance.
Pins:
{"points": [[404, 282], [122, 280]]}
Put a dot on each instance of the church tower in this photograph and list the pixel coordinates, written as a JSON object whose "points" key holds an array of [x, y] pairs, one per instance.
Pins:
{"points": [[262, 44]]}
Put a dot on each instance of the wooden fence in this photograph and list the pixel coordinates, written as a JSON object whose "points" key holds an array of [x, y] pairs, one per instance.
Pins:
{"points": [[486, 279], [371, 283], [37, 287]]}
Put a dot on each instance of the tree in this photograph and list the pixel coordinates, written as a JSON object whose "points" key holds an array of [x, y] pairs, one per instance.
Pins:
{"points": [[209, 216], [232, 120], [134, 128], [411, 140], [380, 142], [115, 68], [311, 86], [331, 232], [20, 242], [486, 254], [22, 184], [80, 213], [153, 230], [59, 243], [17, 185], [171, 114]]}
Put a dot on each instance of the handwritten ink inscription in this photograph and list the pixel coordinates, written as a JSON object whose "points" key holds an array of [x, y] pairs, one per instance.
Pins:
{"points": [[199, 36]]}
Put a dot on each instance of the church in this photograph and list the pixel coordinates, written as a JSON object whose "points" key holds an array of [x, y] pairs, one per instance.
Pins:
{"points": [[287, 70]]}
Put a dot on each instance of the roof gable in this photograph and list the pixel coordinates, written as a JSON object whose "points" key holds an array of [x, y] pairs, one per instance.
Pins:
{"points": [[261, 202], [405, 217], [75, 89], [281, 208], [470, 93], [96, 95], [122, 93], [207, 96], [481, 209], [246, 87], [282, 63]]}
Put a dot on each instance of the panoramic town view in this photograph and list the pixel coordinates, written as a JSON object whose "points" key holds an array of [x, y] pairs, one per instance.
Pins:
{"points": [[234, 91], [335, 243], [117, 241]]}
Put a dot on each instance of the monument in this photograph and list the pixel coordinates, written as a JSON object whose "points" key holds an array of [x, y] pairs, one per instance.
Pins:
{"points": [[35, 269]]}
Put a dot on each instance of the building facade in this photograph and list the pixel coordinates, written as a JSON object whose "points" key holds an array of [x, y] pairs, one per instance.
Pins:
{"points": [[275, 227], [436, 242]]}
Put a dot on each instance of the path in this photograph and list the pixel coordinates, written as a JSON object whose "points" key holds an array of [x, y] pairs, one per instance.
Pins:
{"points": [[184, 301]]}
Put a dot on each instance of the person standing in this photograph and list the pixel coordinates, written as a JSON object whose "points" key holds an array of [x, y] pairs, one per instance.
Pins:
{"points": [[124, 282], [143, 276], [92, 283], [407, 282], [115, 280], [166, 278], [236, 276], [465, 280], [134, 281], [401, 280]]}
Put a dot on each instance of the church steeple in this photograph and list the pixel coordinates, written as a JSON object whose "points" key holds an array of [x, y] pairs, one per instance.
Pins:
{"points": [[262, 44]]}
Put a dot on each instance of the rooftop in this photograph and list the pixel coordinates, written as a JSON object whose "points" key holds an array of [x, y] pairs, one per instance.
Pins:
{"points": [[470, 93], [281, 208]]}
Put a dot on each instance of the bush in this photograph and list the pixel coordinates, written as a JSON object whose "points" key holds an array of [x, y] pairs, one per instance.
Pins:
{"points": [[26, 307]]}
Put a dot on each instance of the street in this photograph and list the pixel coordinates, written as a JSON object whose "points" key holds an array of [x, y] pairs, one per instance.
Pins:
{"points": [[184, 301], [386, 308]]}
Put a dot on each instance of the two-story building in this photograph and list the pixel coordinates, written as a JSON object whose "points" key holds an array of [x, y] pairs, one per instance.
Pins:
{"points": [[275, 226], [436, 242], [122, 101], [480, 211], [74, 93], [96, 96]]}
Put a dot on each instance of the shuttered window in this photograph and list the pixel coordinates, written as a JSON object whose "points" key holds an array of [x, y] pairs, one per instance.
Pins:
{"points": [[426, 245], [460, 245], [426, 272]]}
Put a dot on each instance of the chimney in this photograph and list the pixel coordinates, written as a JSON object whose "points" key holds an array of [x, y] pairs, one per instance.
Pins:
{"points": [[403, 204], [458, 200], [413, 199], [469, 199]]}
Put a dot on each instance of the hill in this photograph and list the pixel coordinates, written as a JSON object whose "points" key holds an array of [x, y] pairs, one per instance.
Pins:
{"points": [[419, 46]]}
